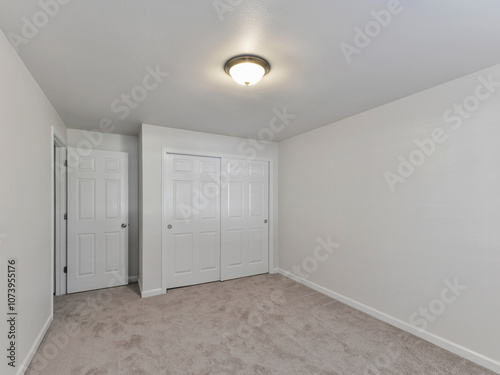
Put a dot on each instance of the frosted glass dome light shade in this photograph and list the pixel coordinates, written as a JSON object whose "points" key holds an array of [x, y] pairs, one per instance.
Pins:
{"points": [[247, 73], [247, 70]]}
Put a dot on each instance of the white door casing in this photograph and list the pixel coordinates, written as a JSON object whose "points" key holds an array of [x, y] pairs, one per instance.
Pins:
{"points": [[60, 187], [191, 226], [97, 219], [244, 218]]}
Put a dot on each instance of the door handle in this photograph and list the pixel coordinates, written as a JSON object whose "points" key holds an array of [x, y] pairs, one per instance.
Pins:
{"points": [[124, 225], [169, 226], [265, 221]]}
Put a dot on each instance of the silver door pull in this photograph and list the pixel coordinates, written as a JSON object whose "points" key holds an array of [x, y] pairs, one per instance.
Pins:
{"points": [[124, 225], [265, 221], [169, 226]]}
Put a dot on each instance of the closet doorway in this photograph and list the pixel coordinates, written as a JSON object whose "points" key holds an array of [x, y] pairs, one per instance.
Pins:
{"points": [[215, 220]]}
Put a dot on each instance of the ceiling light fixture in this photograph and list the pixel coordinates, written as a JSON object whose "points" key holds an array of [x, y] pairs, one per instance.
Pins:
{"points": [[247, 70]]}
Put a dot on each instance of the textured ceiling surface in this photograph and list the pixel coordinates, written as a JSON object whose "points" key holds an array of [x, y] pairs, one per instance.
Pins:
{"points": [[125, 62]]}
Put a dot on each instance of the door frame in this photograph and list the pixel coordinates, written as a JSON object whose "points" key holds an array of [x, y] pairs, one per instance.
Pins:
{"points": [[169, 150], [58, 224]]}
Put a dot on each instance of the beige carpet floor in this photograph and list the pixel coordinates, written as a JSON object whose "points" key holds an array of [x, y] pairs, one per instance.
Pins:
{"points": [[259, 325]]}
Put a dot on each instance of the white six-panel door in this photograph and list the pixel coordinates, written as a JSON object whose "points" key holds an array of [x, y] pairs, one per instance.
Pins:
{"points": [[97, 219], [244, 218], [191, 220]]}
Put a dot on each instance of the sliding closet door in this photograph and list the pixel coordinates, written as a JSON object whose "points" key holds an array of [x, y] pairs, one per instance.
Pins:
{"points": [[192, 220], [244, 218]]}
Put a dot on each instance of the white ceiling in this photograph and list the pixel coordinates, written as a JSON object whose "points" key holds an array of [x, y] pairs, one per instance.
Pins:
{"points": [[93, 51]]}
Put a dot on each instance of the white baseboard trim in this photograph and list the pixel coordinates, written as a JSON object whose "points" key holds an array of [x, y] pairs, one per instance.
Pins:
{"points": [[133, 279], [31, 353], [150, 293], [472, 356], [274, 270]]}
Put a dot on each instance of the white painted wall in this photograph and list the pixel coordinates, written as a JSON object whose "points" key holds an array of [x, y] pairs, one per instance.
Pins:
{"points": [[121, 143], [153, 139], [26, 117], [398, 248]]}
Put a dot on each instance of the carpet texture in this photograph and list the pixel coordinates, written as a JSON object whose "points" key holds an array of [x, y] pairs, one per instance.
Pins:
{"points": [[259, 325]]}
